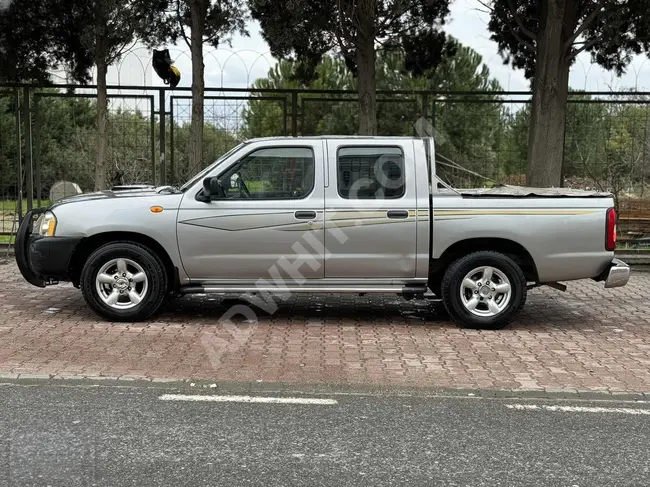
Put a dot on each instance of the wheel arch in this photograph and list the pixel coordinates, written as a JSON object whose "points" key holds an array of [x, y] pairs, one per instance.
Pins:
{"points": [[89, 244], [512, 249]]}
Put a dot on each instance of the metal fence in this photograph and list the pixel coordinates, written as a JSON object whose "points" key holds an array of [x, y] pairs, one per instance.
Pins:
{"points": [[48, 135]]}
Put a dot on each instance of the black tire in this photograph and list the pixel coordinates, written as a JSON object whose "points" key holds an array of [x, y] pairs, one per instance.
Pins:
{"points": [[150, 263], [451, 290]]}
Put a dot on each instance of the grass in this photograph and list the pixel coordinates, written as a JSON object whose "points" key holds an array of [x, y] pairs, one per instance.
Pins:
{"points": [[10, 205], [632, 246]]}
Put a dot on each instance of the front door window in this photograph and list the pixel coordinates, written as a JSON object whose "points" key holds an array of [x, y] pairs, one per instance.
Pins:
{"points": [[271, 174]]}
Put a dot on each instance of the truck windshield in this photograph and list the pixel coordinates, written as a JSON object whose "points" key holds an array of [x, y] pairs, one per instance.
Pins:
{"points": [[202, 174]]}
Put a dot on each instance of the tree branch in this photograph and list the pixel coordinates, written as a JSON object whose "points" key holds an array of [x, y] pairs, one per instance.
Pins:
{"points": [[343, 10], [393, 16], [119, 50], [487, 10], [585, 25], [340, 32], [520, 39], [584, 47], [180, 24], [527, 32], [592, 176], [342, 45], [589, 44]]}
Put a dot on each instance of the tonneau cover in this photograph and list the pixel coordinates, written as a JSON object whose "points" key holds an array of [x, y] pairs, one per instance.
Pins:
{"points": [[521, 191]]}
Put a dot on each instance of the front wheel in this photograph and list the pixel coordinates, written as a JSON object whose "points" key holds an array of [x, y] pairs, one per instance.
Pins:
{"points": [[124, 281], [484, 290]]}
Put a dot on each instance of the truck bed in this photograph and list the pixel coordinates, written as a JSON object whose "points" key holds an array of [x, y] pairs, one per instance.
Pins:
{"points": [[523, 192]]}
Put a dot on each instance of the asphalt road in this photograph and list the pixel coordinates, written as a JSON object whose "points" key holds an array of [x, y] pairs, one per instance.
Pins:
{"points": [[113, 436]]}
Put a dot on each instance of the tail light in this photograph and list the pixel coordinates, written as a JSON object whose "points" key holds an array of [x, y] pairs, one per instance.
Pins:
{"points": [[610, 230]]}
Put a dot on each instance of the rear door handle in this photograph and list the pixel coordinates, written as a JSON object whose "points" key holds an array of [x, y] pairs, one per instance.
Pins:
{"points": [[305, 215], [397, 214]]}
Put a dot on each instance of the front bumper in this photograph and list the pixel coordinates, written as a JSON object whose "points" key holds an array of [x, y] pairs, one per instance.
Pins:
{"points": [[42, 260], [618, 274]]}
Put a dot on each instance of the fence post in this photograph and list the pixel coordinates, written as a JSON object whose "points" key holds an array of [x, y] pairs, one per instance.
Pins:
{"points": [[425, 108], [37, 150], [19, 158], [28, 148], [433, 112], [562, 168], [284, 117], [161, 111], [152, 122], [172, 162], [294, 114]]}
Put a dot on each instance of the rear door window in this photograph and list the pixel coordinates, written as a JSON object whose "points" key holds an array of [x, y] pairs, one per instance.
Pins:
{"points": [[370, 172]]}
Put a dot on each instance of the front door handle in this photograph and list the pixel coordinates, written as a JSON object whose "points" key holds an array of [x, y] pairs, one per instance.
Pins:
{"points": [[305, 215], [397, 214]]}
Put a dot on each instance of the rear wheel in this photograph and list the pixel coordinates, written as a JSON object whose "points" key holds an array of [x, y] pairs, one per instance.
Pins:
{"points": [[124, 281], [484, 290]]}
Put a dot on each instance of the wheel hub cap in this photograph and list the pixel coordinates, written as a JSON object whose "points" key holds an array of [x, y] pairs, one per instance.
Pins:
{"points": [[485, 291], [121, 283]]}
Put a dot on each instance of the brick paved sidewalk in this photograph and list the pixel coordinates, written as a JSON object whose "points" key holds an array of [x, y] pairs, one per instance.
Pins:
{"points": [[588, 338]]}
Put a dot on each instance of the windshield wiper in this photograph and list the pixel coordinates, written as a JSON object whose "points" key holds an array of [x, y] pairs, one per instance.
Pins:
{"points": [[167, 189]]}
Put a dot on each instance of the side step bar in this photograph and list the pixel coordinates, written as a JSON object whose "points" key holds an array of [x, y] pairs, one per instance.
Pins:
{"points": [[281, 288]]}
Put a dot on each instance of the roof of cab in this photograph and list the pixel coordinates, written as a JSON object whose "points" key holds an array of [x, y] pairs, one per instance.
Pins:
{"points": [[337, 137]]}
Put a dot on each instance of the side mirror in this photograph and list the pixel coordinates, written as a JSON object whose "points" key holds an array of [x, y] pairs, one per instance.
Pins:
{"points": [[211, 188]]}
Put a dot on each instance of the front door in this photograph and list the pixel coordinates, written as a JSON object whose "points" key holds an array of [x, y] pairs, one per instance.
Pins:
{"points": [[269, 222], [371, 206]]}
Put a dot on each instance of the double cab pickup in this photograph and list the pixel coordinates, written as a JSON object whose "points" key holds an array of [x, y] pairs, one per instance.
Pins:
{"points": [[322, 215]]}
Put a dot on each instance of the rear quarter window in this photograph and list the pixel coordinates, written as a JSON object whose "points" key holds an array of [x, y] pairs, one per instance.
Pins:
{"points": [[370, 172]]}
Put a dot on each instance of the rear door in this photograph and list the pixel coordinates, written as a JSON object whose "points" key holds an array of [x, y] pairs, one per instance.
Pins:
{"points": [[370, 209]]}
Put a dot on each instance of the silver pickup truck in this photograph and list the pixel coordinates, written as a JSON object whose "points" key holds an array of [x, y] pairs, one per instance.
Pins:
{"points": [[322, 215]]}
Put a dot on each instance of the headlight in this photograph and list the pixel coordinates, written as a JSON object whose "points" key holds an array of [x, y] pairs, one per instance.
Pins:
{"points": [[46, 224]]}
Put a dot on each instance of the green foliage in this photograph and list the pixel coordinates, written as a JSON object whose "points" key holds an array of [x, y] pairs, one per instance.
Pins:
{"points": [[8, 149], [468, 133], [216, 141], [612, 31], [544, 38], [65, 140], [171, 20], [606, 144], [305, 31], [514, 143], [36, 36]]}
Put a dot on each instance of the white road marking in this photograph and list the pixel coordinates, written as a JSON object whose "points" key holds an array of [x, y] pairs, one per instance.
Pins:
{"points": [[578, 409], [249, 399]]}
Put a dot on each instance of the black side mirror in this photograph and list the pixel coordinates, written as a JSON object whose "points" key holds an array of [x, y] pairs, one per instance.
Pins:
{"points": [[211, 189]]}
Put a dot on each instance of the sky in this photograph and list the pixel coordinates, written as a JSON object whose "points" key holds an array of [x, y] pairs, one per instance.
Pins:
{"points": [[248, 58]]}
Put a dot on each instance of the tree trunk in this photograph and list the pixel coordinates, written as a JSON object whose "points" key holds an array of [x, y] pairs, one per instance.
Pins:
{"points": [[550, 90], [366, 69], [198, 13], [102, 114]]}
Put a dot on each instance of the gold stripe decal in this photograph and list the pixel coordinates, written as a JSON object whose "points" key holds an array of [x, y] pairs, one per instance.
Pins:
{"points": [[493, 212]]}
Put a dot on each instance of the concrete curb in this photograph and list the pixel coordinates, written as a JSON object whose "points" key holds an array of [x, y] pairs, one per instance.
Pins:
{"points": [[337, 389]]}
